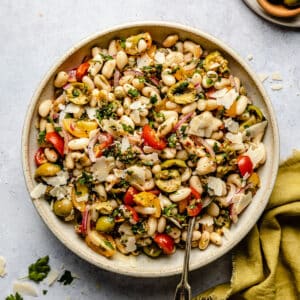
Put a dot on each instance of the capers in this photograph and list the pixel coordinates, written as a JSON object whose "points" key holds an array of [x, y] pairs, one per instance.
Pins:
{"points": [[105, 224], [63, 207]]}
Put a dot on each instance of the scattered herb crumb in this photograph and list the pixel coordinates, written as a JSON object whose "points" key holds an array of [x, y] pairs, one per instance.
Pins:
{"points": [[45, 292], [39, 270], [17, 296], [66, 278]]}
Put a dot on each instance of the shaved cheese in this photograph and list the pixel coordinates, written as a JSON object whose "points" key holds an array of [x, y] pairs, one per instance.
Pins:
{"points": [[276, 76], [91, 112], [234, 138], [137, 105], [59, 192], [152, 157], [83, 198], [38, 191], [2, 266], [52, 276], [240, 202], [262, 76], [125, 228], [159, 57], [231, 125], [206, 220], [228, 98], [249, 57], [72, 108], [130, 244], [219, 93], [257, 154], [124, 144], [60, 179], [216, 186], [24, 288], [276, 87], [143, 61], [101, 168]]}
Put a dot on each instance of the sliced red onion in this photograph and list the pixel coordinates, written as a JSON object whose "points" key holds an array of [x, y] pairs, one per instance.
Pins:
{"points": [[198, 88], [67, 138], [209, 149], [72, 75], [231, 193], [175, 222], [117, 76], [66, 86], [86, 221], [152, 86], [91, 145], [133, 73], [183, 120], [155, 81], [206, 201]]}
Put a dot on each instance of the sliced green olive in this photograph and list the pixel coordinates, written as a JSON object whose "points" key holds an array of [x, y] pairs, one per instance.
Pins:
{"points": [[248, 123], [47, 169], [215, 58], [105, 224], [131, 44], [256, 111], [76, 93], [168, 180], [182, 92], [152, 250], [63, 207], [173, 162]]}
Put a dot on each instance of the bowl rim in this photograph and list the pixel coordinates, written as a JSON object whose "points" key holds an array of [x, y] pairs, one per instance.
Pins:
{"points": [[175, 26]]}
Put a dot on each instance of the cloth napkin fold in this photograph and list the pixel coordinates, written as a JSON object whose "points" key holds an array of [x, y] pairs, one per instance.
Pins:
{"points": [[266, 264]]}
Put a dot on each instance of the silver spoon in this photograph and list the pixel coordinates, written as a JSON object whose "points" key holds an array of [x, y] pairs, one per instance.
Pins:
{"points": [[183, 289]]}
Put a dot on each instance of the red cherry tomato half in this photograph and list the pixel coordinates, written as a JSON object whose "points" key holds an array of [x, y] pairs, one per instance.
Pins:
{"points": [[245, 165], [195, 194], [133, 212], [151, 139], [40, 157], [194, 209], [128, 197], [82, 70], [106, 140], [56, 140], [165, 242]]}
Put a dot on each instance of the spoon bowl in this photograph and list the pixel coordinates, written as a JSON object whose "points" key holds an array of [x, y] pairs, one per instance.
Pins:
{"points": [[278, 10]]}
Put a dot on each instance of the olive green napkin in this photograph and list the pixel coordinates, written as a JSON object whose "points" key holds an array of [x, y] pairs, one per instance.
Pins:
{"points": [[266, 264]]}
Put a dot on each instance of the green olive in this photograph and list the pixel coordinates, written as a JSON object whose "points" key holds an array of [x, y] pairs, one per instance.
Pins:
{"points": [[173, 162], [182, 92], [63, 207], [47, 169], [152, 250], [105, 224], [168, 180], [215, 58], [76, 93]]}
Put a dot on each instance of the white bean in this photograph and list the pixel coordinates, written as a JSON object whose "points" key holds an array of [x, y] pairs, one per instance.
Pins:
{"points": [[145, 210], [137, 83], [241, 105], [168, 153], [152, 226], [161, 225], [102, 83], [174, 232], [195, 183], [95, 51], [180, 194], [100, 190], [211, 104], [220, 84], [142, 45], [195, 49], [69, 162], [108, 68], [95, 68], [201, 105], [167, 78], [112, 48], [42, 125], [89, 82], [49, 127], [156, 169], [61, 79], [78, 144], [189, 108], [51, 154], [45, 108], [234, 179], [196, 79], [185, 176], [213, 209], [171, 105], [127, 121], [216, 239], [121, 60], [164, 201], [119, 92], [182, 154], [167, 126], [170, 41], [204, 240]]}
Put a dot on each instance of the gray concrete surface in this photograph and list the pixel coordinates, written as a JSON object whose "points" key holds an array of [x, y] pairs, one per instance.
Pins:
{"points": [[33, 35]]}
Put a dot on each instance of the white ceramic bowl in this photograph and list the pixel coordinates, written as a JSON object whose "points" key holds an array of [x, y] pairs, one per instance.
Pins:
{"points": [[142, 266]]}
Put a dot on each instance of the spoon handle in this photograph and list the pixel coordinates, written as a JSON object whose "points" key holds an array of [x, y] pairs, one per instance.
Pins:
{"points": [[183, 289]]}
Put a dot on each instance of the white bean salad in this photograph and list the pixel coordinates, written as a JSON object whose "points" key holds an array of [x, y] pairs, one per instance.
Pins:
{"points": [[141, 136]]}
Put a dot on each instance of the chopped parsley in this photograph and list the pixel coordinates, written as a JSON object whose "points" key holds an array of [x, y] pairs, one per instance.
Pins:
{"points": [[41, 138], [39, 270], [138, 228], [168, 211], [180, 89], [106, 112], [128, 128], [106, 57], [153, 99], [123, 43], [109, 244], [17, 296], [75, 92], [66, 278], [133, 93], [45, 292], [58, 129], [216, 148], [85, 179], [172, 140]]}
